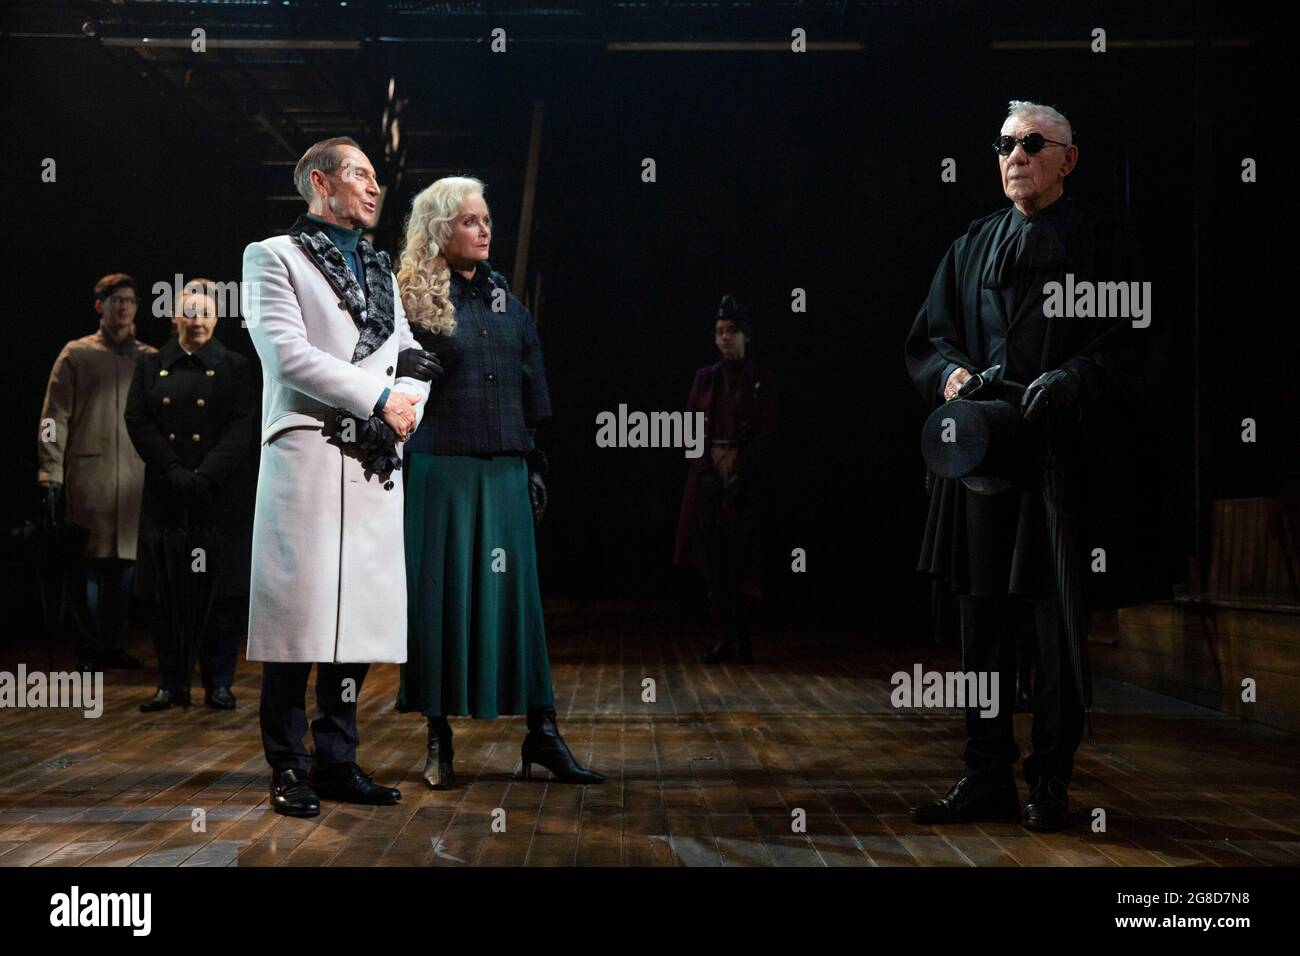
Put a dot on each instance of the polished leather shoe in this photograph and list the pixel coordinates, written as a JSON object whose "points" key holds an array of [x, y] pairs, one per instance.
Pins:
{"points": [[971, 799], [292, 795], [1048, 806], [162, 699], [219, 698], [345, 782]]}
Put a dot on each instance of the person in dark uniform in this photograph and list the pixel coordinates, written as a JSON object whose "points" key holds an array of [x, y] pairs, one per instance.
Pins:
{"points": [[988, 538], [191, 415], [719, 524]]}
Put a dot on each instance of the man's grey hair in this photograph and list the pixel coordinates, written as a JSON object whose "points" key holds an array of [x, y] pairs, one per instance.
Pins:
{"points": [[1056, 117], [323, 156]]}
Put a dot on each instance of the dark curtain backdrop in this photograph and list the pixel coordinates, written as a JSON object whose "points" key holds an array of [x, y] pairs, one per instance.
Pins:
{"points": [[775, 171]]}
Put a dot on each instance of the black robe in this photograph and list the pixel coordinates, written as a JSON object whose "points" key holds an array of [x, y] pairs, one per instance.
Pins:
{"points": [[998, 544]]}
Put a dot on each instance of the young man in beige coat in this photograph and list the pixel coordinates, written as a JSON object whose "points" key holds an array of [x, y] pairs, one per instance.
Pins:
{"points": [[88, 465], [328, 570]]}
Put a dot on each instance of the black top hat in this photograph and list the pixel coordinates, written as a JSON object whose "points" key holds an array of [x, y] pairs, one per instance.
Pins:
{"points": [[982, 436]]}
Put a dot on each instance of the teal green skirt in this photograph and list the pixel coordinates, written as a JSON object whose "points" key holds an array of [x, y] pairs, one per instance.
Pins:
{"points": [[476, 641]]}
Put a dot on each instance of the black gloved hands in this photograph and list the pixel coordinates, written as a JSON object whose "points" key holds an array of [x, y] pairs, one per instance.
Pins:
{"points": [[372, 438], [1057, 390], [418, 364], [178, 482]]}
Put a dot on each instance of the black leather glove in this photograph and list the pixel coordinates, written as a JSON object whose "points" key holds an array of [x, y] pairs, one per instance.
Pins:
{"points": [[418, 364], [537, 495], [177, 481], [1057, 390], [384, 459], [374, 434], [979, 380]]}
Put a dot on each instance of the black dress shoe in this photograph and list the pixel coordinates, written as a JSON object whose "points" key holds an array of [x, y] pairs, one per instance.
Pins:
{"points": [[292, 795], [971, 799], [161, 700], [346, 782], [121, 660], [1048, 806], [219, 698]]}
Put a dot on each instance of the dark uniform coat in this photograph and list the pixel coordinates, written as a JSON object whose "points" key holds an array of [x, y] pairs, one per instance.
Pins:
{"points": [[992, 544], [198, 411]]}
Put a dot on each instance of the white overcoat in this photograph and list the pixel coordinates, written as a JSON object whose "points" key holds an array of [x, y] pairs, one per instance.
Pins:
{"points": [[328, 563]]}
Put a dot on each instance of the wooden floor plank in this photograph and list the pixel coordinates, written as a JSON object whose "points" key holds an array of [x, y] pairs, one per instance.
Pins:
{"points": [[716, 770]]}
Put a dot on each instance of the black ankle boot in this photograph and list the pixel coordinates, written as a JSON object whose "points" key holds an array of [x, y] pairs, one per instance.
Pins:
{"points": [[545, 746], [438, 773]]}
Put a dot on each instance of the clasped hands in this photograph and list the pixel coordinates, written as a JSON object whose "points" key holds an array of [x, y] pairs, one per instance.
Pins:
{"points": [[1056, 390]]}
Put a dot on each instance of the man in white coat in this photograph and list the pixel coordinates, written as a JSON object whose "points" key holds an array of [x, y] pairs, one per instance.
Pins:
{"points": [[328, 571]]}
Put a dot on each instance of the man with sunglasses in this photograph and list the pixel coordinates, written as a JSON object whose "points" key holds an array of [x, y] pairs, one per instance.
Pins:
{"points": [[987, 538]]}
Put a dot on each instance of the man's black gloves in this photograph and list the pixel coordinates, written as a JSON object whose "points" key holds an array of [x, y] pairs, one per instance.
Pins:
{"points": [[418, 364], [537, 467], [373, 440], [178, 482], [1057, 390], [373, 434]]}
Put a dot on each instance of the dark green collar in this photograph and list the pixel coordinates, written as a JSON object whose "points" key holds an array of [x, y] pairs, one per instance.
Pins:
{"points": [[344, 238]]}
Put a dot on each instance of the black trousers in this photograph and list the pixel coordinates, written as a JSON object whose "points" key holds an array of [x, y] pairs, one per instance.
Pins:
{"points": [[283, 713], [990, 627], [726, 541], [108, 603], [217, 652]]}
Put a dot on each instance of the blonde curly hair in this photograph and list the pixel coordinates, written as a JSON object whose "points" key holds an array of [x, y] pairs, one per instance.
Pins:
{"points": [[423, 276]]}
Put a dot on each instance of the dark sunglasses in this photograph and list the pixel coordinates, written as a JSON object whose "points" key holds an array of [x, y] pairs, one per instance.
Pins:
{"points": [[1033, 143]]}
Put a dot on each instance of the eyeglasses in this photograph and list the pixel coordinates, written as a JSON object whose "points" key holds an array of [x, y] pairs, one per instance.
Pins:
{"points": [[1033, 143]]}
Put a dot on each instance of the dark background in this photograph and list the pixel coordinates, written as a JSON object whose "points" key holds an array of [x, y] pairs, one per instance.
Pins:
{"points": [[819, 171]]}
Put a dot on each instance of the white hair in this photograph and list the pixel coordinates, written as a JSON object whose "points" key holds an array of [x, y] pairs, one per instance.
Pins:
{"points": [[1025, 108]]}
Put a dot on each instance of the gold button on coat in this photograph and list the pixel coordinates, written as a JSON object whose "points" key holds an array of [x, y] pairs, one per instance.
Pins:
{"points": [[195, 436], [167, 400], [210, 372], [199, 402], [171, 437]]}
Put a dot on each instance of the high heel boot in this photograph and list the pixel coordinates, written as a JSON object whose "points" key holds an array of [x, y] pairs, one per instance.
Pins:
{"points": [[437, 765], [545, 746]]}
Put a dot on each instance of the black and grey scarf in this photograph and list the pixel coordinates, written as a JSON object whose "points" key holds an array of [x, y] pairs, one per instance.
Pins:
{"points": [[373, 317]]}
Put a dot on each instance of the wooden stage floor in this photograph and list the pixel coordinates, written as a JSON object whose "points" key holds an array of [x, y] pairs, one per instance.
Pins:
{"points": [[707, 775]]}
